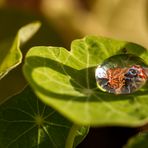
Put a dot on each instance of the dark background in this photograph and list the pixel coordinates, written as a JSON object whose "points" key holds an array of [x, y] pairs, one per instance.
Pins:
{"points": [[108, 137]]}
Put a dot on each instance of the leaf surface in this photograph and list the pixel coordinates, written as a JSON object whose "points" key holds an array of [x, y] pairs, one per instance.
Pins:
{"points": [[66, 81], [11, 21], [25, 121], [139, 141], [10, 54]]}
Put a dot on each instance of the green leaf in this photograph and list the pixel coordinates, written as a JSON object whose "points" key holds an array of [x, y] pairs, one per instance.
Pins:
{"points": [[79, 135], [13, 83], [76, 136], [10, 54], [27, 122], [66, 81], [139, 141], [11, 21]]}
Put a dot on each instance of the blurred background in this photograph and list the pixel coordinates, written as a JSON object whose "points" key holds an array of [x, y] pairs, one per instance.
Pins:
{"points": [[66, 20], [122, 19]]}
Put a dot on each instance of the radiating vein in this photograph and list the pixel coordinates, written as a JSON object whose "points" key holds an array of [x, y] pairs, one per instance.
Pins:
{"points": [[53, 80], [34, 112], [43, 111], [56, 124], [50, 114], [50, 137], [17, 121], [109, 106], [23, 111], [37, 104], [19, 136], [65, 70]]}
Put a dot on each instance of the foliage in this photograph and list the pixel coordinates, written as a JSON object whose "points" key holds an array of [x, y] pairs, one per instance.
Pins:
{"points": [[66, 81], [62, 99], [139, 141], [25, 121], [34, 124]]}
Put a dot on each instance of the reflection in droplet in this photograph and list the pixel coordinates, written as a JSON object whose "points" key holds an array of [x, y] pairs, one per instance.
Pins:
{"points": [[122, 74]]}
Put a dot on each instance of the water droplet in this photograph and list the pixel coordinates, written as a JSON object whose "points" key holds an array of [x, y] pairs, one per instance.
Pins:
{"points": [[122, 74]]}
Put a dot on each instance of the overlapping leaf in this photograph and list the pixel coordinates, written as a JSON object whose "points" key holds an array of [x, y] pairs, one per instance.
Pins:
{"points": [[10, 54], [65, 80], [11, 21], [139, 141], [28, 123]]}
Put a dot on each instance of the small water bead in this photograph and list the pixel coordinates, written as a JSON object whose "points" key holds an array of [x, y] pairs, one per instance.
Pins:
{"points": [[122, 74]]}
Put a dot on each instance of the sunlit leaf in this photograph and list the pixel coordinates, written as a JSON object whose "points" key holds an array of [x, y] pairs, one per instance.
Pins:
{"points": [[66, 81], [25, 121], [10, 54], [11, 21]]}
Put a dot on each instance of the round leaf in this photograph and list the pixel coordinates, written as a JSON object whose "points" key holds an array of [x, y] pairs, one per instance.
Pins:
{"points": [[66, 81], [27, 122]]}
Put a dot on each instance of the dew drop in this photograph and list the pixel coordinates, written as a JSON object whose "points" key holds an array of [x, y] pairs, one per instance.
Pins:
{"points": [[122, 74]]}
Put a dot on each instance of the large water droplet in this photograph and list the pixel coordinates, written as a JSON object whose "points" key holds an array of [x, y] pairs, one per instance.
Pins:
{"points": [[122, 74]]}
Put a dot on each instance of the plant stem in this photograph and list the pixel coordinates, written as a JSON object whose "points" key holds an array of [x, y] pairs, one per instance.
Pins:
{"points": [[71, 136]]}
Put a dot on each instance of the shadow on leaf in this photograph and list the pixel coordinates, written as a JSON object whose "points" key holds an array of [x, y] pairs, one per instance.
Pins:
{"points": [[82, 81]]}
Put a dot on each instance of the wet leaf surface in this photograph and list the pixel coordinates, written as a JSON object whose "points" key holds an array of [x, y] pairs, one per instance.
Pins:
{"points": [[66, 81]]}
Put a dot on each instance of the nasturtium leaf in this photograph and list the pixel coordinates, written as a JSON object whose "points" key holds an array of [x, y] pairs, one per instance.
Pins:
{"points": [[28, 123], [66, 81], [139, 141], [10, 54], [78, 133], [10, 22]]}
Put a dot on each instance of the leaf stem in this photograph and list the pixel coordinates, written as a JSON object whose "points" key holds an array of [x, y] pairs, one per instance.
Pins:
{"points": [[71, 136]]}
